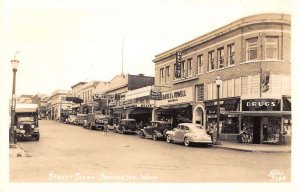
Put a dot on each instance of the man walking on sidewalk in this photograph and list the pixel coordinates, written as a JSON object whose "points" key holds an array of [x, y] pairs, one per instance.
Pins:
{"points": [[105, 129]]}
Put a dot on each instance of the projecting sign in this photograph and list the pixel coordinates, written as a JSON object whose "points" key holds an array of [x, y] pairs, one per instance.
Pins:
{"points": [[178, 64]]}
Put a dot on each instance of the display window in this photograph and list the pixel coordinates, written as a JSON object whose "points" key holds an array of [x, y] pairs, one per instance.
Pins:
{"points": [[246, 134], [271, 130], [230, 125]]}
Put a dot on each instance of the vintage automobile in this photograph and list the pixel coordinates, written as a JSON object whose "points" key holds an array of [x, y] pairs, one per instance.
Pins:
{"points": [[80, 119], [96, 121], [156, 130], [188, 133], [71, 119], [26, 121], [126, 126]]}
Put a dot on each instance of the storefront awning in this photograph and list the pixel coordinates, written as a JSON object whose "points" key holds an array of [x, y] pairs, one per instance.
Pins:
{"points": [[176, 106], [258, 113], [228, 104], [141, 110]]}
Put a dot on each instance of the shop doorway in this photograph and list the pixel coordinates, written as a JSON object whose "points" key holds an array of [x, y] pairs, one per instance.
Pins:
{"points": [[256, 130]]}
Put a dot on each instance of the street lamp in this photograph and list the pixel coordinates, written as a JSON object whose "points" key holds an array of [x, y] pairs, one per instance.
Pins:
{"points": [[12, 137], [218, 82]]}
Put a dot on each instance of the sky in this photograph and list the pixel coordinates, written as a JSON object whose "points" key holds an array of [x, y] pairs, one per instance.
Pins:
{"points": [[63, 42]]}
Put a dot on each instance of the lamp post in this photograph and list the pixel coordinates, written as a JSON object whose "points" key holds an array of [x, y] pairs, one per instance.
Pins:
{"points": [[12, 137], [218, 82]]}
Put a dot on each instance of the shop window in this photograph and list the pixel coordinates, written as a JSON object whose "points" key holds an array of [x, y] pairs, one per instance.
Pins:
{"points": [[230, 54], [211, 62], [200, 92], [252, 46], [199, 64], [230, 125], [271, 130], [272, 48], [221, 62]]}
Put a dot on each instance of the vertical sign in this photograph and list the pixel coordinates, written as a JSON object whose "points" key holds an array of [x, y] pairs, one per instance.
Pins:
{"points": [[178, 64], [265, 80]]}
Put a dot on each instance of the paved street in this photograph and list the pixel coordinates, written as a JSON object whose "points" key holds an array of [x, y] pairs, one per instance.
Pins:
{"points": [[68, 153]]}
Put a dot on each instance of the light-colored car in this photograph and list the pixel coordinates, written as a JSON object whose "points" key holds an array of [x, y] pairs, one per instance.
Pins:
{"points": [[188, 133]]}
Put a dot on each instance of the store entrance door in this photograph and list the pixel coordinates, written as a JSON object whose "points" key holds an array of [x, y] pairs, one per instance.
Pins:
{"points": [[256, 130]]}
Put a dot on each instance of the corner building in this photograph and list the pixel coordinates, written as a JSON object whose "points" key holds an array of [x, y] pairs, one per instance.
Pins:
{"points": [[252, 58]]}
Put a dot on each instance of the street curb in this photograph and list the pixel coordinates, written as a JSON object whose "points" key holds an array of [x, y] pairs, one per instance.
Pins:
{"points": [[17, 152], [252, 150]]}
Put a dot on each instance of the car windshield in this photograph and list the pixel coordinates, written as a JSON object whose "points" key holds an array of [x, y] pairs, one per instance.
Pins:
{"points": [[23, 119]]}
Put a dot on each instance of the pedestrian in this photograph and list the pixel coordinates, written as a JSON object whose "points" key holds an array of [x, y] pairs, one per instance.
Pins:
{"points": [[105, 129]]}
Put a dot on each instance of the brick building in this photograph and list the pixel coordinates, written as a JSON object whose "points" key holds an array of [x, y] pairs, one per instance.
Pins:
{"points": [[252, 58]]}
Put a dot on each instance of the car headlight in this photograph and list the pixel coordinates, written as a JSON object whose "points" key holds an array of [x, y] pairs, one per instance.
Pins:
{"points": [[21, 126], [32, 126]]}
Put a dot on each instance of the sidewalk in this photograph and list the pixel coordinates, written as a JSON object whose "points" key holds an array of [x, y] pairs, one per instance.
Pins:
{"points": [[17, 151], [265, 148]]}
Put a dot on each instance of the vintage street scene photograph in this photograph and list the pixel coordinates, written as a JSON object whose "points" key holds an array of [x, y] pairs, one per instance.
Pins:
{"points": [[176, 95]]}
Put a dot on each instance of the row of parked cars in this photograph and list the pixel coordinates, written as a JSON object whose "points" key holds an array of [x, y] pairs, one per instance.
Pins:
{"points": [[186, 133]]}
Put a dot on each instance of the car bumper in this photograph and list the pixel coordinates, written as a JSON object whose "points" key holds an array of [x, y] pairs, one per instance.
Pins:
{"points": [[195, 140]]}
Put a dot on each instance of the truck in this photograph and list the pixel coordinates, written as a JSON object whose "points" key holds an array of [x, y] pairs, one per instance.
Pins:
{"points": [[26, 121], [96, 121]]}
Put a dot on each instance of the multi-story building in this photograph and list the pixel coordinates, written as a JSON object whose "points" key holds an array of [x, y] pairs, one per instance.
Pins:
{"points": [[252, 58], [77, 96], [88, 89], [59, 105], [115, 93]]}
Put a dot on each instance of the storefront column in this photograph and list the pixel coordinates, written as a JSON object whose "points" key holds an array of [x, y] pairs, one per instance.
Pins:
{"points": [[154, 114]]}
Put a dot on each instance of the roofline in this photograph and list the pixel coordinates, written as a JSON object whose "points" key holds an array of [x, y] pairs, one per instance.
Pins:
{"points": [[225, 29]]}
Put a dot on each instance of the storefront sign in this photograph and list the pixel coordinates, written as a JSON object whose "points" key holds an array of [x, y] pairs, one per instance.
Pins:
{"points": [[176, 96], [155, 95], [103, 96], [178, 64], [261, 105]]}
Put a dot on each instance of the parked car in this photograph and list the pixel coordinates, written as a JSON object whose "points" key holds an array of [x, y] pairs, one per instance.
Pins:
{"points": [[71, 119], [156, 130], [188, 133], [126, 126]]}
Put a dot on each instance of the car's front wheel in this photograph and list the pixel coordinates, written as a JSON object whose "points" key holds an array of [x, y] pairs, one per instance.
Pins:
{"points": [[37, 137], [169, 139], [186, 142]]}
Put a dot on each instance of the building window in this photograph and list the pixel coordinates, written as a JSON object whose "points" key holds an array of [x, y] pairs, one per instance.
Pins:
{"points": [[252, 48], [183, 69], [221, 58], [167, 73], [199, 64], [189, 67], [200, 92], [161, 75], [211, 63], [230, 54], [272, 48]]}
